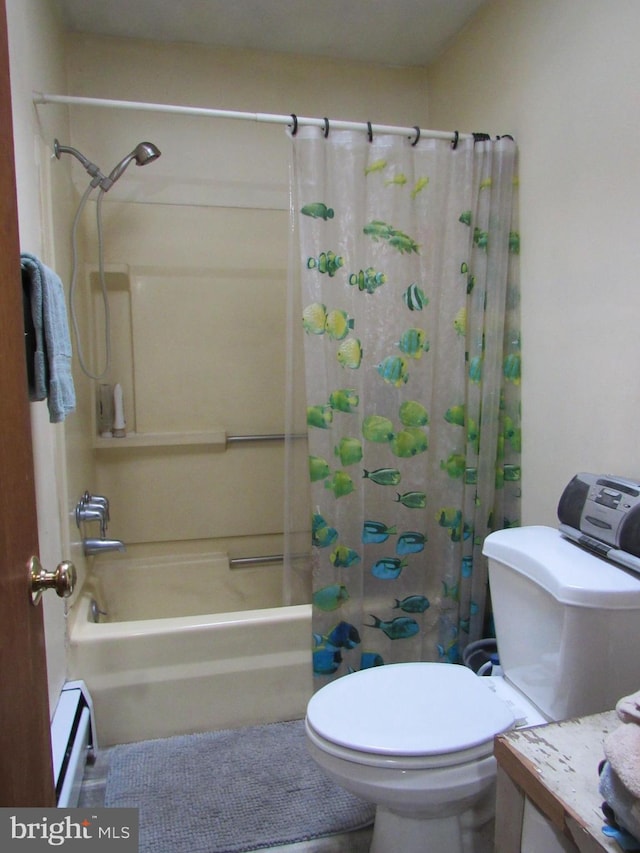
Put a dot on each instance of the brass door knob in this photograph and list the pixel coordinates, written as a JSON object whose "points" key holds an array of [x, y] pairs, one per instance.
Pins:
{"points": [[63, 579]]}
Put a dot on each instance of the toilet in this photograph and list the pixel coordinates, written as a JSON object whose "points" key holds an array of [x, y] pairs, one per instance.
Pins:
{"points": [[416, 739]]}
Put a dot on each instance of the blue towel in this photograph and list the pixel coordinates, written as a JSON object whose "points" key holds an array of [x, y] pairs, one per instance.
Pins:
{"points": [[51, 379]]}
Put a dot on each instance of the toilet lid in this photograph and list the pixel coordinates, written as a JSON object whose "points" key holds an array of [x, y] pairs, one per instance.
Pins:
{"points": [[409, 709]]}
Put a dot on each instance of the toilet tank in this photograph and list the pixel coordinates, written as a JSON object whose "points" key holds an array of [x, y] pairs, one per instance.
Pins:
{"points": [[567, 622]]}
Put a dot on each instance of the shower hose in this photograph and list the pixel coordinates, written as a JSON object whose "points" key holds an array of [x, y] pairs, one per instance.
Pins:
{"points": [[103, 286]]}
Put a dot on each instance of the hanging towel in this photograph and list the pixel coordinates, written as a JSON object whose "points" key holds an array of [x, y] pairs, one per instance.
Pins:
{"points": [[51, 378]]}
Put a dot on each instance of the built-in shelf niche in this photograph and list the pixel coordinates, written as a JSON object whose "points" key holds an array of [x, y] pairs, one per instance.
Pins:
{"points": [[117, 281]]}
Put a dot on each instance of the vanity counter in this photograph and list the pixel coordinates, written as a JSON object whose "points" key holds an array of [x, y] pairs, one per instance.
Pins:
{"points": [[547, 790]]}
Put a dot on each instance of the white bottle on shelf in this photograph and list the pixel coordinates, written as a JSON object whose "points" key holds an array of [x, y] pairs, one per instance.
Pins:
{"points": [[119, 423]]}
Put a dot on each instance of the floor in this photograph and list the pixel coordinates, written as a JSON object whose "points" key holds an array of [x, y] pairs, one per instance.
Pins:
{"points": [[93, 791]]}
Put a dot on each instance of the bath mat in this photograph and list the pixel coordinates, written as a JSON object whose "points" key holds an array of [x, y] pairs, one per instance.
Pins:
{"points": [[230, 791]]}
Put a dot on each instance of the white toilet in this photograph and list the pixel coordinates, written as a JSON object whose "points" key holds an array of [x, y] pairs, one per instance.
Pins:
{"points": [[416, 739]]}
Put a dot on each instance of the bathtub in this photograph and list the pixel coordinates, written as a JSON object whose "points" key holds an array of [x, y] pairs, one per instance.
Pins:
{"points": [[173, 652]]}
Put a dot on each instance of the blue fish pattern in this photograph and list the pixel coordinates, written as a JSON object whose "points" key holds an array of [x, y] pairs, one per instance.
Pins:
{"points": [[400, 628], [326, 661], [410, 543], [343, 636], [370, 659], [413, 604], [388, 568], [376, 532]]}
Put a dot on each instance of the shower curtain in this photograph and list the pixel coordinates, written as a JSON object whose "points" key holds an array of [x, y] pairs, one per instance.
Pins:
{"points": [[407, 264]]}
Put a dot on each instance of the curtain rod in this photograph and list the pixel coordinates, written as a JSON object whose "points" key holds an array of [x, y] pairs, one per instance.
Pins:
{"points": [[267, 118]]}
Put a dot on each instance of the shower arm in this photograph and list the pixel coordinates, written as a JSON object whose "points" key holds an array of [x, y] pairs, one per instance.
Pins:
{"points": [[90, 167]]}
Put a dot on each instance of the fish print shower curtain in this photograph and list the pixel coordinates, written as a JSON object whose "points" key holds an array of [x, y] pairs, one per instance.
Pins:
{"points": [[408, 268]]}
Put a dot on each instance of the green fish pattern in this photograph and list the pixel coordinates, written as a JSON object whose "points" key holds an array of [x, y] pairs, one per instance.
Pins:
{"points": [[368, 280], [370, 418], [316, 320], [317, 210], [326, 262]]}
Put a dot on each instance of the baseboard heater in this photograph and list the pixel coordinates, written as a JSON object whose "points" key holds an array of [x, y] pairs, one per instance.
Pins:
{"points": [[72, 738]]}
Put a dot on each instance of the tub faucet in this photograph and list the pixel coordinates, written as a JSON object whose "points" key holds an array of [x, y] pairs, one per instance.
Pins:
{"points": [[96, 508], [98, 546]]}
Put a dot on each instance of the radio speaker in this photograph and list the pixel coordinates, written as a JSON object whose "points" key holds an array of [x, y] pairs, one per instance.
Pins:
{"points": [[629, 534], [572, 502]]}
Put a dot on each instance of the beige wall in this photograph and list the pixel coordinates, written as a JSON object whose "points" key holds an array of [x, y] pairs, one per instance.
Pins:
{"points": [[563, 76], [215, 161]]}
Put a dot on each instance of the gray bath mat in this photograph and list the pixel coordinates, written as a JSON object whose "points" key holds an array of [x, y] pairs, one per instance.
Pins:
{"points": [[230, 791]]}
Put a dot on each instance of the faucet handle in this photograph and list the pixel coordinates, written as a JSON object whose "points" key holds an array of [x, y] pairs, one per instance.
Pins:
{"points": [[87, 511], [96, 498], [101, 501], [96, 501]]}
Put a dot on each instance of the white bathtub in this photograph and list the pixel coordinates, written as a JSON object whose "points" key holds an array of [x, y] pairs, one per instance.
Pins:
{"points": [[167, 661]]}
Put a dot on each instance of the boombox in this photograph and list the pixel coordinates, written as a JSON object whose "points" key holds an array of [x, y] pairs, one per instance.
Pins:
{"points": [[602, 513]]}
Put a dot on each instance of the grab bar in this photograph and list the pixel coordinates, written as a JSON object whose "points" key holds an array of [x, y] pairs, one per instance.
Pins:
{"points": [[232, 439], [255, 561], [236, 562]]}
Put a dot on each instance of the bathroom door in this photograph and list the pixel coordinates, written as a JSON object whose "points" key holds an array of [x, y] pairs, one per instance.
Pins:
{"points": [[26, 777]]}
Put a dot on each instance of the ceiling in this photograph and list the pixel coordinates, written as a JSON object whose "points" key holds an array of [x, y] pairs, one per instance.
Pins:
{"points": [[390, 32]]}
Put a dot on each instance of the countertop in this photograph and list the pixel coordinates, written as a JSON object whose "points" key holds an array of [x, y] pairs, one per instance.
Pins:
{"points": [[556, 767]]}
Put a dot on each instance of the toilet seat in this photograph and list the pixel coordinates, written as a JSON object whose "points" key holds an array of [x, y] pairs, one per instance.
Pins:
{"points": [[426, 714]]}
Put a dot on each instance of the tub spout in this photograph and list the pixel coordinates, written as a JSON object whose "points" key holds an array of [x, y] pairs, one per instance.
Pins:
{"points": [[98, 546]]}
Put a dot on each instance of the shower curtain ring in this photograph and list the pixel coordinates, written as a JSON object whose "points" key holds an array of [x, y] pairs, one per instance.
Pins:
{"points": [[295, 124], [454, 141], [369, 131], [326, 127], [417, 139]]}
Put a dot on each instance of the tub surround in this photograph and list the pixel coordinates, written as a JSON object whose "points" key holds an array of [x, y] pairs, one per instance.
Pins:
{"points": [[164, 587]]}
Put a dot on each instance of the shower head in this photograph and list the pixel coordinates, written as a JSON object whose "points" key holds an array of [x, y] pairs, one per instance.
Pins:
{"points": [[143, 153]]}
